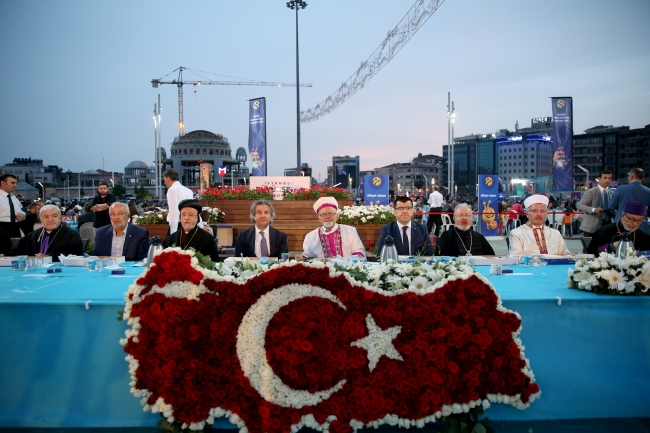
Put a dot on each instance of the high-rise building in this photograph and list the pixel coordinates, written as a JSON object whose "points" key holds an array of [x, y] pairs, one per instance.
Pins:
{"points": [[525, 159], [473, 155], [346, 172]]}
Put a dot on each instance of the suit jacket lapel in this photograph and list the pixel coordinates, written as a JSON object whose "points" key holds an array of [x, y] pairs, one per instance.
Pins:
{"points": [[397, 235], [127, 241], [272, 241]]}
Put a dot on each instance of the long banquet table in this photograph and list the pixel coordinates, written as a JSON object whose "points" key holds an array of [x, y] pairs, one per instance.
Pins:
{"points": [[62, 364]]}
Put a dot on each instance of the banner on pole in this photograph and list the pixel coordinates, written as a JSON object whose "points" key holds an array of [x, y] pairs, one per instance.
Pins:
{"points": [[488, 204], [563, 148], [375, 190], [257, 136]]}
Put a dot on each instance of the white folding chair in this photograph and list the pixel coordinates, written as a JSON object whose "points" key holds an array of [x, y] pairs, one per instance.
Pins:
{"points": [[87, 231]]}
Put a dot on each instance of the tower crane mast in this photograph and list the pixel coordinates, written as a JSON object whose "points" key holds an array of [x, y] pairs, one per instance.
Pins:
{"points": [[180, 83]]}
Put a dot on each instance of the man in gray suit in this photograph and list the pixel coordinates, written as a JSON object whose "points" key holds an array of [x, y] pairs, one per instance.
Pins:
{"points": [[633, 191], [593, 202]]}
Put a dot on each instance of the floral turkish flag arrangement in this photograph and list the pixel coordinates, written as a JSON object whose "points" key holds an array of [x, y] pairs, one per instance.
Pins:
{"points": [[302, 344]]}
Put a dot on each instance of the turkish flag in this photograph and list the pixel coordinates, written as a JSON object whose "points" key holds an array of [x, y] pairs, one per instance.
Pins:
{"points": [[296, 341]]}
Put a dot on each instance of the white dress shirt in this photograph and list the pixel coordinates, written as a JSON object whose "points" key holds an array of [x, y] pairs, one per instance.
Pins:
{"points": [[408, 234], [117, 242], [435, 199], [258, 240], [176, 194], [5, 212]]}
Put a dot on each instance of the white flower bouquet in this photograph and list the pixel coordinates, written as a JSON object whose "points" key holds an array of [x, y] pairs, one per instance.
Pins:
{"points": [[356, 215], [216, 215], [611, 275]]}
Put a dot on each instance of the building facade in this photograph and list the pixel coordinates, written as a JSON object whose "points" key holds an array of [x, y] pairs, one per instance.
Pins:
{"points": [[415, 177], [189, 150], [346, 172]]}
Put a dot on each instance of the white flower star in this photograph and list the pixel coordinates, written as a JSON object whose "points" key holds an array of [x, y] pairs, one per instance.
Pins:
{"points": [[379, 342]]}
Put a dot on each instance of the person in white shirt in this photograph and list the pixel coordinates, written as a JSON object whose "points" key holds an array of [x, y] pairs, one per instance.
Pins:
{"points": [[331, 239], [535, 237], [176, 193], [11, 211], [435, 205]]}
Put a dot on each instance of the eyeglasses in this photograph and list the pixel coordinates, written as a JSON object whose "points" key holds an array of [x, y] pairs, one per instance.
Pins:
{"points": [[117, 214], [189, 215], [464, 215], [404, 208], [633, 220], [326, 214], [537, 211]]}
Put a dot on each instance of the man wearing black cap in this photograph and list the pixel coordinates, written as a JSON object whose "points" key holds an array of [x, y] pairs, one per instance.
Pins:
{"points": [[632, 216], [191, 235]]}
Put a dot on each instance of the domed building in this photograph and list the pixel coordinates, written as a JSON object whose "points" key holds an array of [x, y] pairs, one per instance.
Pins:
{"points": [[189, 150], [139, 173]]}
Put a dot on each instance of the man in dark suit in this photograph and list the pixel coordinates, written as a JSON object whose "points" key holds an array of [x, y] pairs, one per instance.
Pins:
{"points": [[593, 202], [411, 238], [261, 239], [633, 191], [121, 238]]}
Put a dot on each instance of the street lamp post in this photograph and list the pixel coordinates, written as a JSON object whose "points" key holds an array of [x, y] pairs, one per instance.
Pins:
{"points": [[587, 171], [43, 190], [295, 5], [450, 140]]}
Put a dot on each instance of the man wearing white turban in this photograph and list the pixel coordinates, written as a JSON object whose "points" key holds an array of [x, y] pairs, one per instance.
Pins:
{"points": [[534, 237], [331, 239]]}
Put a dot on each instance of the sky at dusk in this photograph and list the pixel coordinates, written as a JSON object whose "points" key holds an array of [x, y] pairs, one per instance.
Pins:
{"points": [[77, 74]]}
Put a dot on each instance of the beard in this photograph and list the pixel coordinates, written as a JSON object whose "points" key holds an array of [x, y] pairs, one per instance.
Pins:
{"points": [[329, 225]]}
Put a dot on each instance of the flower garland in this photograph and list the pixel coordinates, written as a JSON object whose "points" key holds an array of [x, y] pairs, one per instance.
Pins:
{"points": [[356, 215], [316, 192], [610, 275], [281, 346], [238, 193]]}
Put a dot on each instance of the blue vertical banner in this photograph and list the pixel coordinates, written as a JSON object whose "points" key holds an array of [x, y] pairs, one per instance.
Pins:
{"points": [[375, 189], [257, 136], [488, 204], [563, 148]]}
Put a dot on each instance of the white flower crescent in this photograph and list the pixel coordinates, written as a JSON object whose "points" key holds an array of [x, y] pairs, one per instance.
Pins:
{"points": [[252, 355]]}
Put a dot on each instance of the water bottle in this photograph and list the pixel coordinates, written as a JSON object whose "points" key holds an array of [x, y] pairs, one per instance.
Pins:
{"points": [[625, 246], [154, 249], [388, 251]]}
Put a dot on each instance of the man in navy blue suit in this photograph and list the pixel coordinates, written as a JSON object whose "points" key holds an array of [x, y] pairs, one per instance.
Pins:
{"points": [[633, 191], [411, 238], [261, 239], [121, 238]]}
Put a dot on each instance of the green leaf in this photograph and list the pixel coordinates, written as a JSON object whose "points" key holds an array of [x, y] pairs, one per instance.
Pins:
{"points": [[479, 428]]}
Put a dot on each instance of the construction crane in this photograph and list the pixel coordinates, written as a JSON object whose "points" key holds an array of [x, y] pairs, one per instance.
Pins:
{"points": [[179, 82]]}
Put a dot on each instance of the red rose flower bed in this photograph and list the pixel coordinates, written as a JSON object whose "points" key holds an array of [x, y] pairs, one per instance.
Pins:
{"points": [[457, 347]]}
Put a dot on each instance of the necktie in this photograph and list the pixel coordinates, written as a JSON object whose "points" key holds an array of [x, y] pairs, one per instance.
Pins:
{"points": [[264, 248], [405, 240], [12, 211], [605, 202]]}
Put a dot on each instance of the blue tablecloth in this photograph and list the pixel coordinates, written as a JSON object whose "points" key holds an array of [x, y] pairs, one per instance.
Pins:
{"points": [[62, 365]]}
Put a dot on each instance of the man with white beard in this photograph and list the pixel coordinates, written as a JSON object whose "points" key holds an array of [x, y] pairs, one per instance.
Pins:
{"points": [[331, 239], [461, 240]]}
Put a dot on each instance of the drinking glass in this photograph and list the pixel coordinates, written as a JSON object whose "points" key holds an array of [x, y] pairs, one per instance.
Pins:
{"points": [[284, 257]]}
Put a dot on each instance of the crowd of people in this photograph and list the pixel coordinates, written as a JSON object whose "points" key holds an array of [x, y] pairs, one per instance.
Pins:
{"points": [[531, 226]]}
